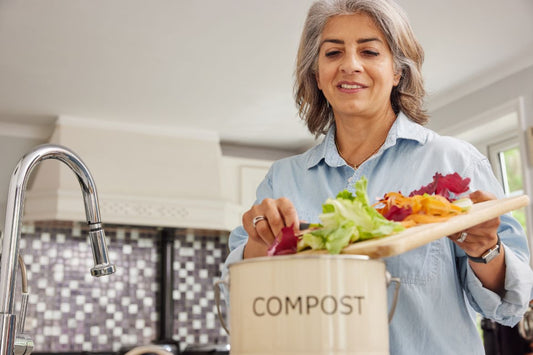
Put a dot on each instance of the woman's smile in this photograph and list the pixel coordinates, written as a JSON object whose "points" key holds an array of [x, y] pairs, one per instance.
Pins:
{"points": [[350, 87]]}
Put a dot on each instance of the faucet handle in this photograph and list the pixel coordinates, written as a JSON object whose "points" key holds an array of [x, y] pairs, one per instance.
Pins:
{"points": [[102, 266]]}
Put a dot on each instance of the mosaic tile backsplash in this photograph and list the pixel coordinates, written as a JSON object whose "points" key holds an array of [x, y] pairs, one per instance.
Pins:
{"points": [[69, 310]]}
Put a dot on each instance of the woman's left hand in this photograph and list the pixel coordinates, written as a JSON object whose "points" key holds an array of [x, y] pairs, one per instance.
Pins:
{"points": [[481, 237]]}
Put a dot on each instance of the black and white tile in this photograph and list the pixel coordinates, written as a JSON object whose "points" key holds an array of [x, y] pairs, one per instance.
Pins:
{"points": [[69, 310]]}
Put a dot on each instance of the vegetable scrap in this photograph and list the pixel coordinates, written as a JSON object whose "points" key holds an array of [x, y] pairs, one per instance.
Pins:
{"points": [[435, 202], [345, 219], [285, 243], [350, 218], [447, 186]]}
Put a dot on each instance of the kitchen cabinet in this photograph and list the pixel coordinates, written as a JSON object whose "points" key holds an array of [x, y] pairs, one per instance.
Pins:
{"points": [[146, 177], [240, 178]]}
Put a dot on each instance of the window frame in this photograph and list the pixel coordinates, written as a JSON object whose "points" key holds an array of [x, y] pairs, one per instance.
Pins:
{"points": [[494, 150]]}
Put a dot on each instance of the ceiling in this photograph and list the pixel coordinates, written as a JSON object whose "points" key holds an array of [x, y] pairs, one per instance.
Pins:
{"points": [[223, 66]]}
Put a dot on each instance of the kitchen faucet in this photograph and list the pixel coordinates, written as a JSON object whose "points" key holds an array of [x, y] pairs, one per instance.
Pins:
{"points": [[9, 342]]}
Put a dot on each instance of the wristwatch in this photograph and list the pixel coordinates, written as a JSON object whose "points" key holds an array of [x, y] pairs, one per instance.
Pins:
{"points": [[489, 254]]}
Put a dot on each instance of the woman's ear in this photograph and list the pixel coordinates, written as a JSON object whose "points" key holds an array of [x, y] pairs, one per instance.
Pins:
{"points": [[397, 77]]}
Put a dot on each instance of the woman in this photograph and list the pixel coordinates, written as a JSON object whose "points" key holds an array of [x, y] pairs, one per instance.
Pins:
{"points": [[358, 81]]}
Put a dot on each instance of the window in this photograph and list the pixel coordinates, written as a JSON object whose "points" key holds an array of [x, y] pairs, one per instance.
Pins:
{"points": [[507, 165]]}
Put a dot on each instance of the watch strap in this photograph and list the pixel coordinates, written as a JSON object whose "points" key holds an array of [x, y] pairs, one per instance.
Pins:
{"points": [[488, 255]]}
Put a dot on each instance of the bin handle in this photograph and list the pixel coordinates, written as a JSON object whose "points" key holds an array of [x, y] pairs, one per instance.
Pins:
{"points": [[217, 287], [397, 283]]}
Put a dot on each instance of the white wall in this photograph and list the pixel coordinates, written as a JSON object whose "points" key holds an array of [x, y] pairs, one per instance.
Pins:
{"points": [[12, 148]]}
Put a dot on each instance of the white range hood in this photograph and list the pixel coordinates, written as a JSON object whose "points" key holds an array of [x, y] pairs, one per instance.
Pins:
{"points": [[144, 176]]}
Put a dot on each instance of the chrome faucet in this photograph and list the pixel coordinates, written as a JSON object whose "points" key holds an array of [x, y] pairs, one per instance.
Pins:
{"points": [[9, 342]]}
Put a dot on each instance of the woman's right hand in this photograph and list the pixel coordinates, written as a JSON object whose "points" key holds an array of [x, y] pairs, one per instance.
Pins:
{"points": [[277, 213]]}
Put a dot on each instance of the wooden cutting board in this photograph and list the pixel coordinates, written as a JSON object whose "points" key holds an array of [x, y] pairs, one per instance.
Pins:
{"points": [[417, 236]]}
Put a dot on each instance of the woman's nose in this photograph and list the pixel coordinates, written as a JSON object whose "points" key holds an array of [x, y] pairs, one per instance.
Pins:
{"points": [[351, 64]]}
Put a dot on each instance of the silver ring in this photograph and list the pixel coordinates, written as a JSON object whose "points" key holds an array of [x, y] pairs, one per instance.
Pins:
{"points": [[257, 219], [462, 237]]}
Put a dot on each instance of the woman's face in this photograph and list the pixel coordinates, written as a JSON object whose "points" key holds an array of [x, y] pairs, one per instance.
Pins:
{"points": [[355, 67]]}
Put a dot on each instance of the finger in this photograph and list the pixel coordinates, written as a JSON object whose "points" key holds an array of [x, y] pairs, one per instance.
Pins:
{"points": [[476, 241], [289, 213], [488, 229], [481, 196], [278, 213], [264, 231], [284, 215], [459, 238], [247, 219], [274, 214], [260, 232], [475, 245], [465, 239]]}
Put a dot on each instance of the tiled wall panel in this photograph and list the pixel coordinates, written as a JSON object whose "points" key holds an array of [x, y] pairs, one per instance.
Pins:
{"points": [[69, 310]]}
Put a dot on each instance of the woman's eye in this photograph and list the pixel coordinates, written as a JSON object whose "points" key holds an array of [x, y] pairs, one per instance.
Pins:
{"points": [[371, 53], [332, 53]]}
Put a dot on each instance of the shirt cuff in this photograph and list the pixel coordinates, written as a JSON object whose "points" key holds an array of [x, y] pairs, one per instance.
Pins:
{"points": [[509, 309]]}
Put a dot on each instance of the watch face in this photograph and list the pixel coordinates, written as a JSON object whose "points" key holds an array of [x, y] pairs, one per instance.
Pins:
{"points": [[491, 254]]}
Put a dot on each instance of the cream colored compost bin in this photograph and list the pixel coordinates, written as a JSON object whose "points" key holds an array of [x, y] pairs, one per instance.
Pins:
{"points": [[309, 304]]}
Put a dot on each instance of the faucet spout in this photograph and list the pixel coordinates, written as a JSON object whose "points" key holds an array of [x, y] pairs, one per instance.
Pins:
{"points": [[102, 267], [13, 221]]}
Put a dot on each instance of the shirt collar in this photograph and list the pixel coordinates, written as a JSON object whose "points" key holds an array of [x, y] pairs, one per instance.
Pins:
{"points": [[326, 151], [402, 128]]}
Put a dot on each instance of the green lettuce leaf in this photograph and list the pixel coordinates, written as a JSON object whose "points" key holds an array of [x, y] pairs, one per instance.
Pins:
{"points": [[348, 219]]}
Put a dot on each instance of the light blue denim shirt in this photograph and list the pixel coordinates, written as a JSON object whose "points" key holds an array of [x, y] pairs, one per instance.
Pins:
{"points": [[440, 293]]}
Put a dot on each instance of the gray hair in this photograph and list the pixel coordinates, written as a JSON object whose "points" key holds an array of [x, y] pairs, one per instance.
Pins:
{"points": [[407, 54]]}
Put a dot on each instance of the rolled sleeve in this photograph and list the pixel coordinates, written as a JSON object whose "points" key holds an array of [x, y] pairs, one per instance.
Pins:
{"points": [[506, 310]]}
